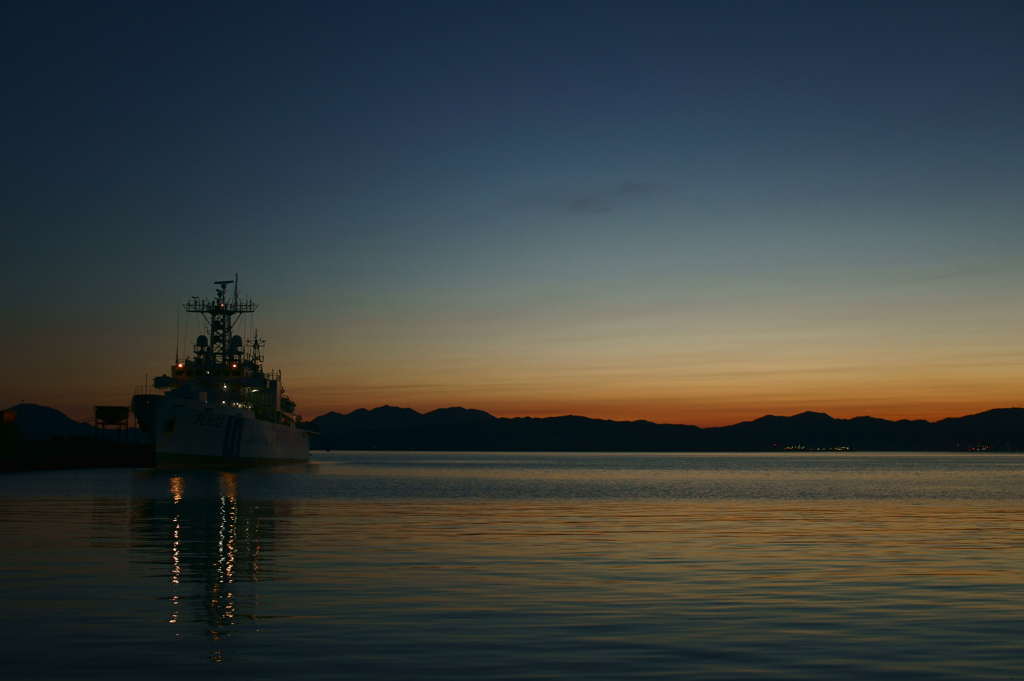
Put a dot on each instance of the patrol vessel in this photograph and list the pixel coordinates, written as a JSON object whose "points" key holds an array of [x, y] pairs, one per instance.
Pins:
{"points": [[221, 407]]}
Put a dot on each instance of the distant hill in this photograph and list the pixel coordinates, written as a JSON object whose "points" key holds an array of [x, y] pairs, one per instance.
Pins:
{"points": [[459, 429], [39, 423], [394, 428], [36, 422], [334, 425]]}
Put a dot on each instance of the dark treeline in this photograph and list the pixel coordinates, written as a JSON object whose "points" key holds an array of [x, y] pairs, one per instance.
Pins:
{"points": [[392, 428]]}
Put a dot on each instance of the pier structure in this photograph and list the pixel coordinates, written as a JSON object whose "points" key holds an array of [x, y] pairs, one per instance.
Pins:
{"points": [[111, 417]]}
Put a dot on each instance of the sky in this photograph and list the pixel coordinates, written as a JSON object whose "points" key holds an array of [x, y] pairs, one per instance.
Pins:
{"points": [[681, 212]]}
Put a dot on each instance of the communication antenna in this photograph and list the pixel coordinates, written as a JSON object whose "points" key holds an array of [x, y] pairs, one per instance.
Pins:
{"points": [[257, 350], [177, 329], [186, 333]]}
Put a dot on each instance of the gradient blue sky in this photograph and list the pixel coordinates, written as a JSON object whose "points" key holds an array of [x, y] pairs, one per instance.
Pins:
{"points": [[685, 212]]}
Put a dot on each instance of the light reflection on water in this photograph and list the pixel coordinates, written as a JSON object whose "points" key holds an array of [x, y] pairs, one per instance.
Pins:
{"points": [[406, 565]]}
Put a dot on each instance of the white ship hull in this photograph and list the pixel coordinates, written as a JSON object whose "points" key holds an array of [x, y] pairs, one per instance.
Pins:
{"points": [[191, 433]]}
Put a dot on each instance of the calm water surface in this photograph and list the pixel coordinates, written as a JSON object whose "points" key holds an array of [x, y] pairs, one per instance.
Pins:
{"points": [[442, 565]]}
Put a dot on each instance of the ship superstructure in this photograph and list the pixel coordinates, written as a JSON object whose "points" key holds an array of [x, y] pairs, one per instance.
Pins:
{"points": [[221, 406]]}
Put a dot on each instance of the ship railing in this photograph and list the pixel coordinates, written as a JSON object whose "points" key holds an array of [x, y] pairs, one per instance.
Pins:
{"points": [[148, 390]]}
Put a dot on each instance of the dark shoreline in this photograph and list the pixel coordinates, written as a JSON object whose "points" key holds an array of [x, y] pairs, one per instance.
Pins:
{"points": [[455, 429], [19, 455]]}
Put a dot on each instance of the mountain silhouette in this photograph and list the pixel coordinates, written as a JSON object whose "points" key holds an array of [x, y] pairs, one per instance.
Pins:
{"points": [[460, 429], [334, 425], [36, 422], [390, 428], [42, 438]]}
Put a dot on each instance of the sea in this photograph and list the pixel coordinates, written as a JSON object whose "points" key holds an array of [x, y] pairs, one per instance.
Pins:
{"points": [[470, 565]]}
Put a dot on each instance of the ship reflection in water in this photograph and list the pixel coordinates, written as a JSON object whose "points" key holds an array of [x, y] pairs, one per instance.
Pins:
{"points": [[211, 542], [519, 565]]}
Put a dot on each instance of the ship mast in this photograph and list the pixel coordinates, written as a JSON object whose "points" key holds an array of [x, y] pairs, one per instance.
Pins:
{"points": [[222, 347]]}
